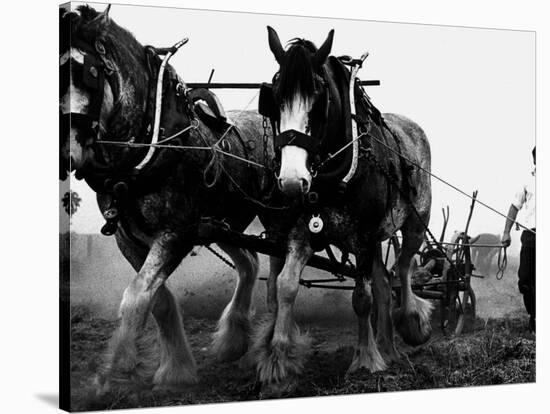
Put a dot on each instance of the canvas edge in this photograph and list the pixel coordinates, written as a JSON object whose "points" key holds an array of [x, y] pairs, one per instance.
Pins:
{"points": [[64, 286]]}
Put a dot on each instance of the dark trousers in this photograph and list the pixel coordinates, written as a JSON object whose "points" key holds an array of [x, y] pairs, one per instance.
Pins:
{"points": [[527, 271]]}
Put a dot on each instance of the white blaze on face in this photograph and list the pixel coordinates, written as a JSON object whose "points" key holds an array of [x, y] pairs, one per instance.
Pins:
{"points": [[74, 100], [294, 176]]}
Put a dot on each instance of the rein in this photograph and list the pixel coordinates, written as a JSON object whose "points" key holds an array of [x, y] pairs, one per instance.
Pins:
{"points": [[315, 142], [502, 262]]}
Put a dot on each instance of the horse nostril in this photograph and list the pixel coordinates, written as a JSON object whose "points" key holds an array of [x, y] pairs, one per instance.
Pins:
{"points": [[305, 185]]}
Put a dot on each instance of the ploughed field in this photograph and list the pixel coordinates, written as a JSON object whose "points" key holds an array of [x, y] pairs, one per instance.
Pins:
{"points": [[490, 351], [493, 349]]}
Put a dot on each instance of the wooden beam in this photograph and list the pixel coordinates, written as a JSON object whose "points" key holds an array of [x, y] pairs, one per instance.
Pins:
{"points": [[210, 231]]}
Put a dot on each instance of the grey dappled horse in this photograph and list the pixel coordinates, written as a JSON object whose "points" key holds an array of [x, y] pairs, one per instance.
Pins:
{"points": [[385, 195]]}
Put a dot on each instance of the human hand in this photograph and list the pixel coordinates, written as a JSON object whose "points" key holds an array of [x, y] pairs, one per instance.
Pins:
{"points": [[505, 240]]}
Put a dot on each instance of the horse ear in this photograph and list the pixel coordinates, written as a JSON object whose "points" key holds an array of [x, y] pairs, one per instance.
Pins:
{"points": [[474, 239], [322, 54], [103, 17], [275, 45]]}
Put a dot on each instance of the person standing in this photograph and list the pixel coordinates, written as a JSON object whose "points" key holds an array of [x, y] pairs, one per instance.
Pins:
{"points": [[525, 199]]}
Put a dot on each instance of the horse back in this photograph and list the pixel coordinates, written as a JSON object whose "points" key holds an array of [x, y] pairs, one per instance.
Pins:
{"points": [[403, 186], [413, 142]]}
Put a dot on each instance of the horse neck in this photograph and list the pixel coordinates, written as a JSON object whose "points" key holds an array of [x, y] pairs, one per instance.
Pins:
{"points": [[337, 131], [336, 122], [132, 104]]}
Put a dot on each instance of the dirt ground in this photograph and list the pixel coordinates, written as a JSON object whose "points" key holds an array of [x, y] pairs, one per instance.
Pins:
{"points": [[495, 348], [497, 351]]}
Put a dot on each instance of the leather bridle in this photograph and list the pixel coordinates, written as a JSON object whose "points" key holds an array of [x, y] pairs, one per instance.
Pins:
{"points": [[97, 69], [269, 107]]}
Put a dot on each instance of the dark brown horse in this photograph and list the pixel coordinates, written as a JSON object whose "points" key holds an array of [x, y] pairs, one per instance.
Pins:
{"points": [[482, 257], [312, 117], [107, 95]]}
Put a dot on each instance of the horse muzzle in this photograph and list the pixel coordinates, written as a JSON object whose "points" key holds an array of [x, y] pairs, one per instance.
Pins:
{"points": [[294, 187], [294, 177], [294, 147], [77, 135]]}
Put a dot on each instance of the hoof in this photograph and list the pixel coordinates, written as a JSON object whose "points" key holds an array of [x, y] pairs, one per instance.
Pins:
{"points": [[390, 353], [127, 364], [276, 362], [246, 362], [368, 359], [411, 327], [230, 342], [101, 385], [413, 323], [171, 377], [278, 389]]}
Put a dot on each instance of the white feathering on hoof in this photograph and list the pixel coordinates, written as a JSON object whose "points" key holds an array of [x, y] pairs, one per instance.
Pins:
{"points": [[231, 339], [414, 324], [129, 365], [261, 337], [175, 375], [277, 362], [370, 360]]}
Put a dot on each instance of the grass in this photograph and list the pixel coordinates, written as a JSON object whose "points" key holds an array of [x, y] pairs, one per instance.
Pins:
{"points": [[496, 351]]}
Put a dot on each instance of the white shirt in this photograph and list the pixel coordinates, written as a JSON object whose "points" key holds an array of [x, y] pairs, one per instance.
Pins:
{"points": [[525, 199]]}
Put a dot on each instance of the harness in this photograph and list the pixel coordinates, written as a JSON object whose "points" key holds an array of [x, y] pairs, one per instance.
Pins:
{"points": [[158, 102], [298, 139], [339, 142], [96, 70], [315, 142], [268, 108], [110, 177], [140, 161]]}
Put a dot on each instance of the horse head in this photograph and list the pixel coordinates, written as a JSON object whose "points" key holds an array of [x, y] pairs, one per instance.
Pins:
{"points": [[298, 90], [103, 88]]}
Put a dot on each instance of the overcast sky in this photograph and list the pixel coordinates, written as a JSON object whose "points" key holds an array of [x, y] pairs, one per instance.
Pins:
{"points": [[471, 90]]}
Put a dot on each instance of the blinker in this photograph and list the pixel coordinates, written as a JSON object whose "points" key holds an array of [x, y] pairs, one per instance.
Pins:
{"points": [[90, 76], [266, 102]]}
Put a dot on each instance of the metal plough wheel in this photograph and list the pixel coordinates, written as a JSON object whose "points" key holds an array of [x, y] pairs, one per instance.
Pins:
{"points": [[461, 307]]}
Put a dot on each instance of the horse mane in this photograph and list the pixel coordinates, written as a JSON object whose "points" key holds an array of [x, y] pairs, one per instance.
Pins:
{"points": [[87, 25], [297, 75]]}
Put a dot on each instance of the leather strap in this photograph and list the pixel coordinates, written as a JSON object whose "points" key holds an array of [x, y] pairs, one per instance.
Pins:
{"points": [[298, 139]]}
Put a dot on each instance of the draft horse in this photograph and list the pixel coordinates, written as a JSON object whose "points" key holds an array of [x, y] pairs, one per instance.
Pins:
{"points": [[310, 112], [107, 95], [483, 257]]}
